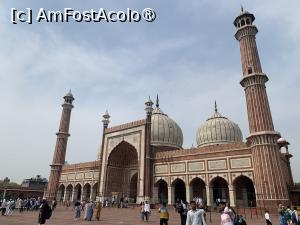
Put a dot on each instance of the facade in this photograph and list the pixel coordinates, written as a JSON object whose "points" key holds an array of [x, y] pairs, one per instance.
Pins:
{"points": [[144, 159]]}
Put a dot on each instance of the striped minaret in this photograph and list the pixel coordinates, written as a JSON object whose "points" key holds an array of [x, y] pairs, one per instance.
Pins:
{"points": [[60, 147], [270, 185]]}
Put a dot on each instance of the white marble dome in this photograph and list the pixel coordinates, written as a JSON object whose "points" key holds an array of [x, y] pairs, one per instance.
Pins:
{"points": [[218, 130], [165, 131]]}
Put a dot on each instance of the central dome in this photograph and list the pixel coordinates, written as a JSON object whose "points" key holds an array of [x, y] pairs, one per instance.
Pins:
{"points": [[218, 130], [164, 131]]}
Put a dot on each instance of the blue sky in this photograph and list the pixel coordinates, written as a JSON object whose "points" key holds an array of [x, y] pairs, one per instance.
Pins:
{"points": [[189, 56]]}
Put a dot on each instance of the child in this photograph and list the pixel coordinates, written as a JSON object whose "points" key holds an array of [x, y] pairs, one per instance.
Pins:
{"points": [[267, 217], [163, 214]]}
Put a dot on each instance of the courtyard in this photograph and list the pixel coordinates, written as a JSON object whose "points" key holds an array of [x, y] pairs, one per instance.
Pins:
{"points": [[112, 216]]}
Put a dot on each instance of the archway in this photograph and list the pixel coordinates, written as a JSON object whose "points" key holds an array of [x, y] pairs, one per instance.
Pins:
{"points": [[77, 193], [179, 190], [244, 191], [60, 193], [86, 194], [69, 190], [198, 190], [220, 189], [162, 191], [133, 188], [122, 163]]}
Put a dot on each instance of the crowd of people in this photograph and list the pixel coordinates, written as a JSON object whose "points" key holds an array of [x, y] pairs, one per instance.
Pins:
{"points": [[193, 213], [89, 208], [287, 216], [9, 205]]}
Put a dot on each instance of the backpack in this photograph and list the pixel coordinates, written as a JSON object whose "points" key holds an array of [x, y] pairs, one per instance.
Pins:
{"points": [[294, 217], [180, 209], [239, 220], [48, 212]]}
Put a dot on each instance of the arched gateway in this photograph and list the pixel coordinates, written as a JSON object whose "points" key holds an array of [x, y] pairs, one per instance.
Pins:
{"points": [[122, 172]]}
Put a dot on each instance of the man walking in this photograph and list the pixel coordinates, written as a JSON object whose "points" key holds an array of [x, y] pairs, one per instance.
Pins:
{"points": [[295, 218], [147, 210], [267, 217], [195, 216], [163, 214], [45, 212], [182, 210]]}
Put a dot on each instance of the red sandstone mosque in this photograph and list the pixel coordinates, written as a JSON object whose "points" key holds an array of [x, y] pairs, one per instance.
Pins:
{"points": [[144, 159]]}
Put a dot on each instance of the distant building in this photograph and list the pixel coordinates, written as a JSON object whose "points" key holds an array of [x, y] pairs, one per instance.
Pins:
{"points": [[35, 182]]}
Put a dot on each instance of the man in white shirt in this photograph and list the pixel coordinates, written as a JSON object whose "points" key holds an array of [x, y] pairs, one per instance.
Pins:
{"points": [[195, 216], [147, 210], [267, 217]]}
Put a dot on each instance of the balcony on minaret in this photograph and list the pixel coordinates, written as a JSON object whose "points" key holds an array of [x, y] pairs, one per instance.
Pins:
{"points": [[243, 19], [69, 98]]}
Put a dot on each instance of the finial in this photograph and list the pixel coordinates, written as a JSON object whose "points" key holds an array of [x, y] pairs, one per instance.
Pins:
{"points": [[106, 115], [157, 101], [216, 108], [242, 8]]}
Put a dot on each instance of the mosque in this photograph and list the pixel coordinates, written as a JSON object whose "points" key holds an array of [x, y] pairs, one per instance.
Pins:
{"points": [[144, 159]]}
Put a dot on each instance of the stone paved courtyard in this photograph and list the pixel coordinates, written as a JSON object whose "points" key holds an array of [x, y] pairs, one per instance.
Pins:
{"points": [[109, 216]]}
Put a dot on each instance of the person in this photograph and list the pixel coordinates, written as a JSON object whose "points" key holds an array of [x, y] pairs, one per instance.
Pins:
{"points": [[195, 216], [77, 209], [98, 210], [88, 215], [3, 207], [230, 211], [142, 210], [182, 210], [163, 214], [288, 215], [21, 205], [282, 212], [54, 204], [295, 217], [112, 201], [225, 217], [8, 211], [45, 210], [268, 218], [147, 210], [121, 202]]}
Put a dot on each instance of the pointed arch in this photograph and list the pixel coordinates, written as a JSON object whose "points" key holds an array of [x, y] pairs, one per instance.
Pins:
{"points": [[244, 191], [220, 189], [179, 189], [77, 192], [60, 193], [197, 188], [86, 191], [162, 191]]}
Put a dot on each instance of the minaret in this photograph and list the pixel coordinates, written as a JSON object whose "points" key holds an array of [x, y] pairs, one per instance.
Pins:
{"points": [[148, 167], [270, 185], [105, 122], [60, 147]]}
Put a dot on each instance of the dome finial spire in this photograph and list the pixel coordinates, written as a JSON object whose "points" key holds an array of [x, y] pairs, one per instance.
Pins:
{"points": [[242, 8], [216, 108], [157, 101]]}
